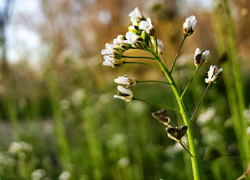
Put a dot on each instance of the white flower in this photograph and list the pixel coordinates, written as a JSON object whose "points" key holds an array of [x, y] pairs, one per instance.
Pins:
{"points": [[128, 81], [200, 57], [124, 94], [38, 174], [132, 38], [160, 45], [146, 25], [123, 162], [119, 40], [135, 16], [248, 130], [17, 147], [65, 175], [188, 25], [113, 62], [212, 74], [110, 49]]}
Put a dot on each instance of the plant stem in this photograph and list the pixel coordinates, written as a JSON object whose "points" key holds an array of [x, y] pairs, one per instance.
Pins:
{"points": [[175, 58], [189, 82], [132, 62], [185, 117], [160, 105], [135, 57], [200, 102], [242, 177], [156, 45], [165, 82]]}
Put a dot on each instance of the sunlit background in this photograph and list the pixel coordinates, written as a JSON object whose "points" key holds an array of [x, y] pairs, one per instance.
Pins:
{"points": [[58, 117]]}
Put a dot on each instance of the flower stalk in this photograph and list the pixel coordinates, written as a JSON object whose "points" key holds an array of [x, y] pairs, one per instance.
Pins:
{"points": [[185, 118], [190, 81], [156, 104], [155, 81], [132, 62], [138, 57], [175, 58], [197, 107]]}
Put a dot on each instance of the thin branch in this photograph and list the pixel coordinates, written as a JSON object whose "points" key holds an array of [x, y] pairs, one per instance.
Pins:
{"points": [[189, 82], [200, 102], [156, 104], [141, 57], [175, 58], [132, 62], [242, 177], [185, 147], [156, 81]]}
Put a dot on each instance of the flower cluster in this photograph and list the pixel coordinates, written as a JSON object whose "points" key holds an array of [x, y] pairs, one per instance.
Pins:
{"points": [[137, 37]]}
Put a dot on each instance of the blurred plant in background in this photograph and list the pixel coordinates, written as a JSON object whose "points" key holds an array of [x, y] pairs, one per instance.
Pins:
{"points": [[57, 97]]}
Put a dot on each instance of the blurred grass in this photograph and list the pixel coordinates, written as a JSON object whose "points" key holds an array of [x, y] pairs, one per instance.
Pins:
{"points": [[67, 113]]}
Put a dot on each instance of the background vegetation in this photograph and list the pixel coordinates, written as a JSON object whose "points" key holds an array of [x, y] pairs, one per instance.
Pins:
{"points": [[60, 101]]}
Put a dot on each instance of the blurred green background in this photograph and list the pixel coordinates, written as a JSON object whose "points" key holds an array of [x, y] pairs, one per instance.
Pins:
{"points": [[58, 117]]}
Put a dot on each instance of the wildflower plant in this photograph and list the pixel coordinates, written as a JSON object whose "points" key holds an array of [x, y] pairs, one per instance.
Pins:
{"points": [[141, 35]]}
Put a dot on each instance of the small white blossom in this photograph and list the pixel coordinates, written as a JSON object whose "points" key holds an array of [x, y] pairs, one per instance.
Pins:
{"points": [[123, 162], [248, 130], [132, 38], [200, 57], [113, 62], [110, 49], [124, 94], [188, 25], [146, 25], [135, 16], [213, 74], [17, 147], [119, 40], [38, 174], [128, 81], [120, 43], [65, 175]]}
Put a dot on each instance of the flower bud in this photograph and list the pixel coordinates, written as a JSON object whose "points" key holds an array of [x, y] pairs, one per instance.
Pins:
{"points": [[124, 94], [128, 81], [188, 26], [200, 57], [160, 46], [113, 62], [213, 74]]}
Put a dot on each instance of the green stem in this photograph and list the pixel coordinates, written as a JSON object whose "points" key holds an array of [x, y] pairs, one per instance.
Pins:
{"points": [[132, 62], [200, 102], [242, 177], [135, 57], [175, 58], [160, 105], [189, 82], [165, 82], [185, 118], [156, 45]]}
